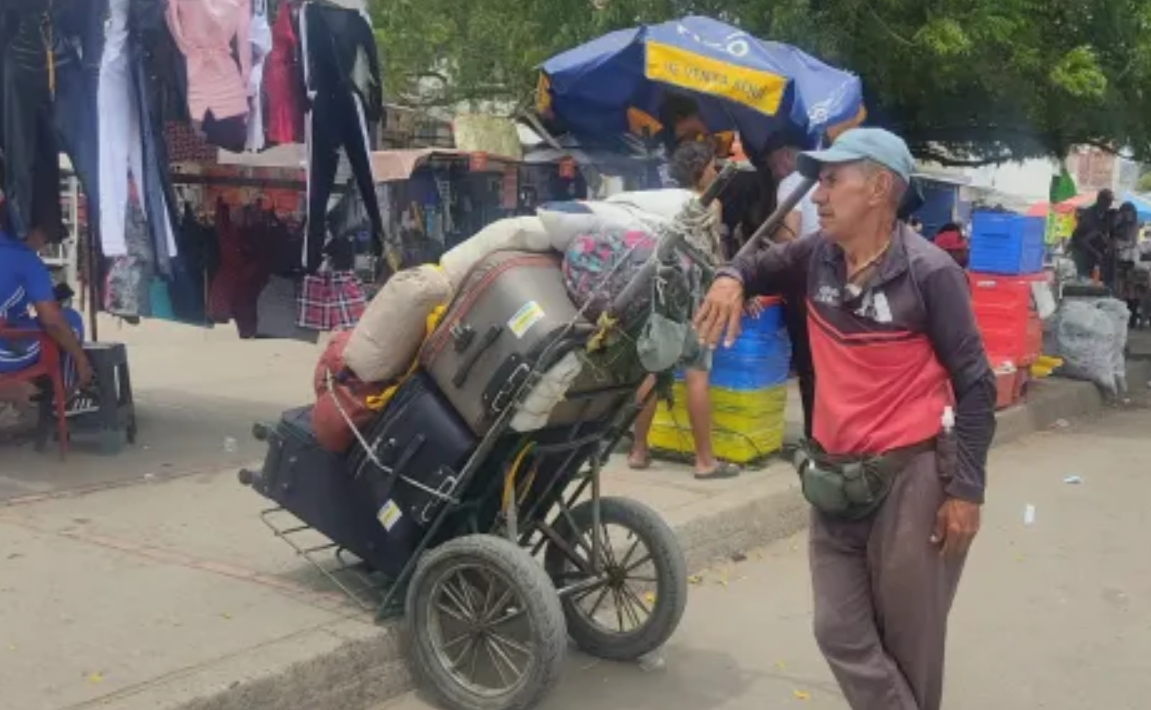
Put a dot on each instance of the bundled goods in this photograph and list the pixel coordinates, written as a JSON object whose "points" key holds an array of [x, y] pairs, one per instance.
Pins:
{"points": [[598, 266], [639, 211], [385, 341], [747, 392], [509, 295], [342, 399], [1089, 335], [512, 234], [746, 426]]}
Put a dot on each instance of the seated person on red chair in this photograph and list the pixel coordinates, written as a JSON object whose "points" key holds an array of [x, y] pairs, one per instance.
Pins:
{"points": [[24, 282]]}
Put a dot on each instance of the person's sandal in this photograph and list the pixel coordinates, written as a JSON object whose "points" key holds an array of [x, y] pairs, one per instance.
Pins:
{"points": [[641, 463], [722, 470]]}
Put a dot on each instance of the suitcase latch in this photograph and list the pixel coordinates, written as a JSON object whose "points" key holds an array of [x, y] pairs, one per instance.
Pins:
{"points": [[462, 335]]}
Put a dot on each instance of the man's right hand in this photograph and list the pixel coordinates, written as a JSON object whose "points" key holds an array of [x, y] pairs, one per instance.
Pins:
{"points": [[720, 313]]}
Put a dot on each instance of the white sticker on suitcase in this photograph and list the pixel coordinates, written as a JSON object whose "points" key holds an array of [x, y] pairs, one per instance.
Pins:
{"points": [[389, 515], [527, 316]]}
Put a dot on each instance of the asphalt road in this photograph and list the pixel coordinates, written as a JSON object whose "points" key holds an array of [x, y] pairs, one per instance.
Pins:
{"points": [[1053, 614]]}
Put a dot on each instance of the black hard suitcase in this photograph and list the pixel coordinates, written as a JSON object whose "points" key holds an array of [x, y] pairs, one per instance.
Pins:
{"points": [[313, 485], [419, 447], [511, 307]]}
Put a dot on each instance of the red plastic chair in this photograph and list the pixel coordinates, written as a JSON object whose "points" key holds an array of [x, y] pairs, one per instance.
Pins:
{"points": [[47, 367]]}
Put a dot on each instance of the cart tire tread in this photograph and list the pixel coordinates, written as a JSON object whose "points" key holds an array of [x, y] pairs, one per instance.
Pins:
{"points": [[538, 595], [671, 570]]}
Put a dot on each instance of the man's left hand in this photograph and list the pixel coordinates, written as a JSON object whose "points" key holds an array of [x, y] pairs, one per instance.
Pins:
{"points": [[956, 525]]}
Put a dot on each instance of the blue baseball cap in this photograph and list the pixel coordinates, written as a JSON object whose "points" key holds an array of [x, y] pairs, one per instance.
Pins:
{"points": [[874, 144]]}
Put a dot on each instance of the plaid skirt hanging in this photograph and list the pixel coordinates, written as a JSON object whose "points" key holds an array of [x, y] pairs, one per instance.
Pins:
{"points": [[331, 300]]}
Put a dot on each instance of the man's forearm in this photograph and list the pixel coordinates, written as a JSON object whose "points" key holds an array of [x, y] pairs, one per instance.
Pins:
{"points": [[974, 431], [65, 338]]}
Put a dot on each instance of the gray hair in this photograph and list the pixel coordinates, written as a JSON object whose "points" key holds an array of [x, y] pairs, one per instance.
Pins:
{"points": [[899, 185]]}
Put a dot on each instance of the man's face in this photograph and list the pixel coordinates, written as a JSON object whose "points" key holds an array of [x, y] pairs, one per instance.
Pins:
{"points": [[1106, 200], [846, 195]]}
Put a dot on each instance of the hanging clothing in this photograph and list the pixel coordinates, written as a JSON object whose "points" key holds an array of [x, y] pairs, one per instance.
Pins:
{"points": [[128, 145], [283, 82], [40, 68], [341, 75], [128, 287], [260, 38], [151, 49], [204, 31]]}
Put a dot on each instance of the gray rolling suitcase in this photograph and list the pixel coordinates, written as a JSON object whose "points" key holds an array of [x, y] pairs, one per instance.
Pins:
{"points": [[509, 309]]}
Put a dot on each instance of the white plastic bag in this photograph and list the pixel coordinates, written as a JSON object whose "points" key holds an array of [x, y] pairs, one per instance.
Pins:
{"points": [[645, 211], [536, 409], [1120, 317], [665, 204], [1086, 338]]}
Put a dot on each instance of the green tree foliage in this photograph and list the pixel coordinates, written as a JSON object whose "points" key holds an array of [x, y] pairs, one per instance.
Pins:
{"points": [[962, 80]]}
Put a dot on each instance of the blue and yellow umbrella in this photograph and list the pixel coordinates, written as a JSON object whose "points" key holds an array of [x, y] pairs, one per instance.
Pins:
{"points": [[620, 82]]}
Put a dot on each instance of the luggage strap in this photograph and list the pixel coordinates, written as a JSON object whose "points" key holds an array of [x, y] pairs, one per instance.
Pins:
{"points": [[329, 382]]}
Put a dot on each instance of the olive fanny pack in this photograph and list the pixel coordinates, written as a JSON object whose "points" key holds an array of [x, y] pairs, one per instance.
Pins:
{"points": [[851, 487]]}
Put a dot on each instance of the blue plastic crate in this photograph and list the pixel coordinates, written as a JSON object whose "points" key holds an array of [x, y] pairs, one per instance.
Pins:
{"points": [[760, 357], [1006, 243]]}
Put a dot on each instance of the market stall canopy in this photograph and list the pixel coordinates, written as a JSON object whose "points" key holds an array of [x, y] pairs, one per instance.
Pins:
{"points": [[619, 82]]}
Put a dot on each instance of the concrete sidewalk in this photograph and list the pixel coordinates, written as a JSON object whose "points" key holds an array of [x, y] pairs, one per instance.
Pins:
{"points": [[171, 594]]}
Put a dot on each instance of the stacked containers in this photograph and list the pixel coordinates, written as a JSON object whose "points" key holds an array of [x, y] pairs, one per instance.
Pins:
{"points": [[1007, 244], [1006, 260], [748, 393]]}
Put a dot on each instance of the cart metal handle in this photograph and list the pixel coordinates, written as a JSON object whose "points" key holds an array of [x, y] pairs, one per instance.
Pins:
{"points": [[772, 222]]}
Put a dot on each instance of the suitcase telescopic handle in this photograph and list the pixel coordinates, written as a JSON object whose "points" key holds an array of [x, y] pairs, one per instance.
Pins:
{"points": [[672, 242]]}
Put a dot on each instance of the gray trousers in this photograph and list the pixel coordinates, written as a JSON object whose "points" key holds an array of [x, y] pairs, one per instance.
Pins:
{"points": [[882, 596]]}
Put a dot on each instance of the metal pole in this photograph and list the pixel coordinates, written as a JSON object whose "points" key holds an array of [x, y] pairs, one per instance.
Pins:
{"points": [[93, 256], [771, 223]]}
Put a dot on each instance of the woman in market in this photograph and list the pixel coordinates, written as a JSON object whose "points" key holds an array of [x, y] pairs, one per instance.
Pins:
{"points": [[1130, 284], [692, 167]]}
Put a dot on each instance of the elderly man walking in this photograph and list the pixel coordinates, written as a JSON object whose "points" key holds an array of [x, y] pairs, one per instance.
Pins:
{"points": [[896, 487]]}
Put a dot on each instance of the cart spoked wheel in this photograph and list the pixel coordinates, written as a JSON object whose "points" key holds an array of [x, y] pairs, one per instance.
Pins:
{"points": [[486, 625], [631, 602]]}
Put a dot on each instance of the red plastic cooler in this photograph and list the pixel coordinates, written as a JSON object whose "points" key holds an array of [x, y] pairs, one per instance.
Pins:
{"points": [[1006, 317]]}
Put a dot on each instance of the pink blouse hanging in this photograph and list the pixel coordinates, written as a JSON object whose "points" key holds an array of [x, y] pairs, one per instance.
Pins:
{"points": [[204, 30]]}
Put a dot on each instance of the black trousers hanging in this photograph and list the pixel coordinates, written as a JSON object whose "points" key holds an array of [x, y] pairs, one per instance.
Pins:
{"points": [[30, 143], [45, 110], [336, 121]]}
